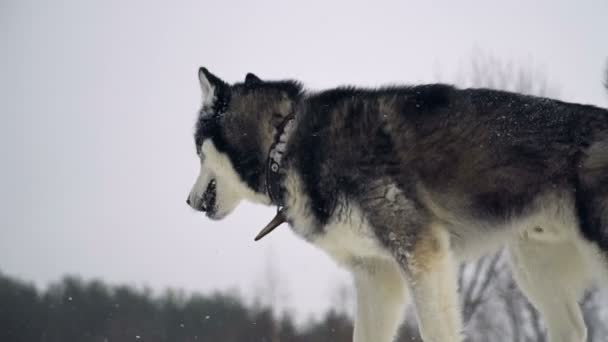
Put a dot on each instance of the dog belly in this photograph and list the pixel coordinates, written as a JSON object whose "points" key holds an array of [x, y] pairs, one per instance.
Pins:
{"points": [[552, 219]]}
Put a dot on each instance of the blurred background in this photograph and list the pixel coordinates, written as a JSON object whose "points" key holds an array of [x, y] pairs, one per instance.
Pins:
{"points": [[98, 102]]}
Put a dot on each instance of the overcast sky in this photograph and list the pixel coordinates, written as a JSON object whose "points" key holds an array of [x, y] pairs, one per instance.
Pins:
{"points": [[98, 102]]}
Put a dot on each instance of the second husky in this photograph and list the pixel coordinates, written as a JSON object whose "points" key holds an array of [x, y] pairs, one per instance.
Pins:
{"points": [[399, 184]]}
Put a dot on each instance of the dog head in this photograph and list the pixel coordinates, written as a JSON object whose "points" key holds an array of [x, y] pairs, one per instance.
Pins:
{"points": [[234, 132]]}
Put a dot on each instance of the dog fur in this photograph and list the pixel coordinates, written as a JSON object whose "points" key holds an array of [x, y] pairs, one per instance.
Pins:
{"points": [[400, 184]]}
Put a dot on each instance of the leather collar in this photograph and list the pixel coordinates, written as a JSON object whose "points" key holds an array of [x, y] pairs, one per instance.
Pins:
{"points": [[274, 175]]}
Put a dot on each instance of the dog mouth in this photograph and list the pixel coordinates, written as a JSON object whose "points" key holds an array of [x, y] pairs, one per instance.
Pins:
{"points": [[208, 202]]}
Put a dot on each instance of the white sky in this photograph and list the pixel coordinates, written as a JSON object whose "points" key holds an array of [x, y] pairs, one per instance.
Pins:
{"points": [[98, 102]]}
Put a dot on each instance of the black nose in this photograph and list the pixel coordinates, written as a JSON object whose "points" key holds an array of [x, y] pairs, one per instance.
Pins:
{"points": [[188, 200]]}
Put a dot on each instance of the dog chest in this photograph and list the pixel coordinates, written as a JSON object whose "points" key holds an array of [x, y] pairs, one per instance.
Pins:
{"points": [[349, 238]]}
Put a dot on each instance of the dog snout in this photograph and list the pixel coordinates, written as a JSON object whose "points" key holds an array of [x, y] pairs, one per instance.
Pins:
{"points": [[205, 202], [196, 203]]}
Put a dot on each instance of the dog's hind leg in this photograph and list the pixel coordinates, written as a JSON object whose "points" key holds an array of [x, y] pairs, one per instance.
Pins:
{"points": [[553, 273], [381, 299]]}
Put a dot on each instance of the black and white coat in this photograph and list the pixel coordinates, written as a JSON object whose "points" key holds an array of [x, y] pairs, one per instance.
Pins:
{"points": [[400, 184]]}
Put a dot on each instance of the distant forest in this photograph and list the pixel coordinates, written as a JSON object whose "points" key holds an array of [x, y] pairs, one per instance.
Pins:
{"points": [[91, 311], [73, 310]]}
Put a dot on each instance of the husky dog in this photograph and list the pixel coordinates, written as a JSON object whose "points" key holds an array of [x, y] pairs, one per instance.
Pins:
{"points": [[399, 184]]}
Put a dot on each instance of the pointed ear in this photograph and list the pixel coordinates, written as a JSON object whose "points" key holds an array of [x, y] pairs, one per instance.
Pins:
{"points": [[251, 79], [206, 87], [211, 85]]}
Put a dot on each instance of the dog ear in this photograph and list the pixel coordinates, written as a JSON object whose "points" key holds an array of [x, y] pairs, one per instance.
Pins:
{"points": [[251, 79], [211, 85]]}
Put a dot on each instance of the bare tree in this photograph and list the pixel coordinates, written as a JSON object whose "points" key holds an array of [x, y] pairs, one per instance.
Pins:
{"points": [[606, 76], [342, 299], [272, 295], [475, 280], [488, 71]]}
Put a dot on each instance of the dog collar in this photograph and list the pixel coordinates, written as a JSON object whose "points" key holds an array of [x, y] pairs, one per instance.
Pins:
{"points": [[273, 163], [274, 175]]}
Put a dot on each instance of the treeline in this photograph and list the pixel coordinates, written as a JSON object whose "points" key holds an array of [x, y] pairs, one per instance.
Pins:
{"points": [[74, 310]]}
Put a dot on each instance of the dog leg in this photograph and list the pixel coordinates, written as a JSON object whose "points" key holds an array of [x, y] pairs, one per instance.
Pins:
{"points": [[431, 274], [381, 299], [423, 252], [553, 275]]}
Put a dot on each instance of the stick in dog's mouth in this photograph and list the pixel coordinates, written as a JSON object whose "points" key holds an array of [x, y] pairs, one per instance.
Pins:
{"points": [[276, 221]]}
